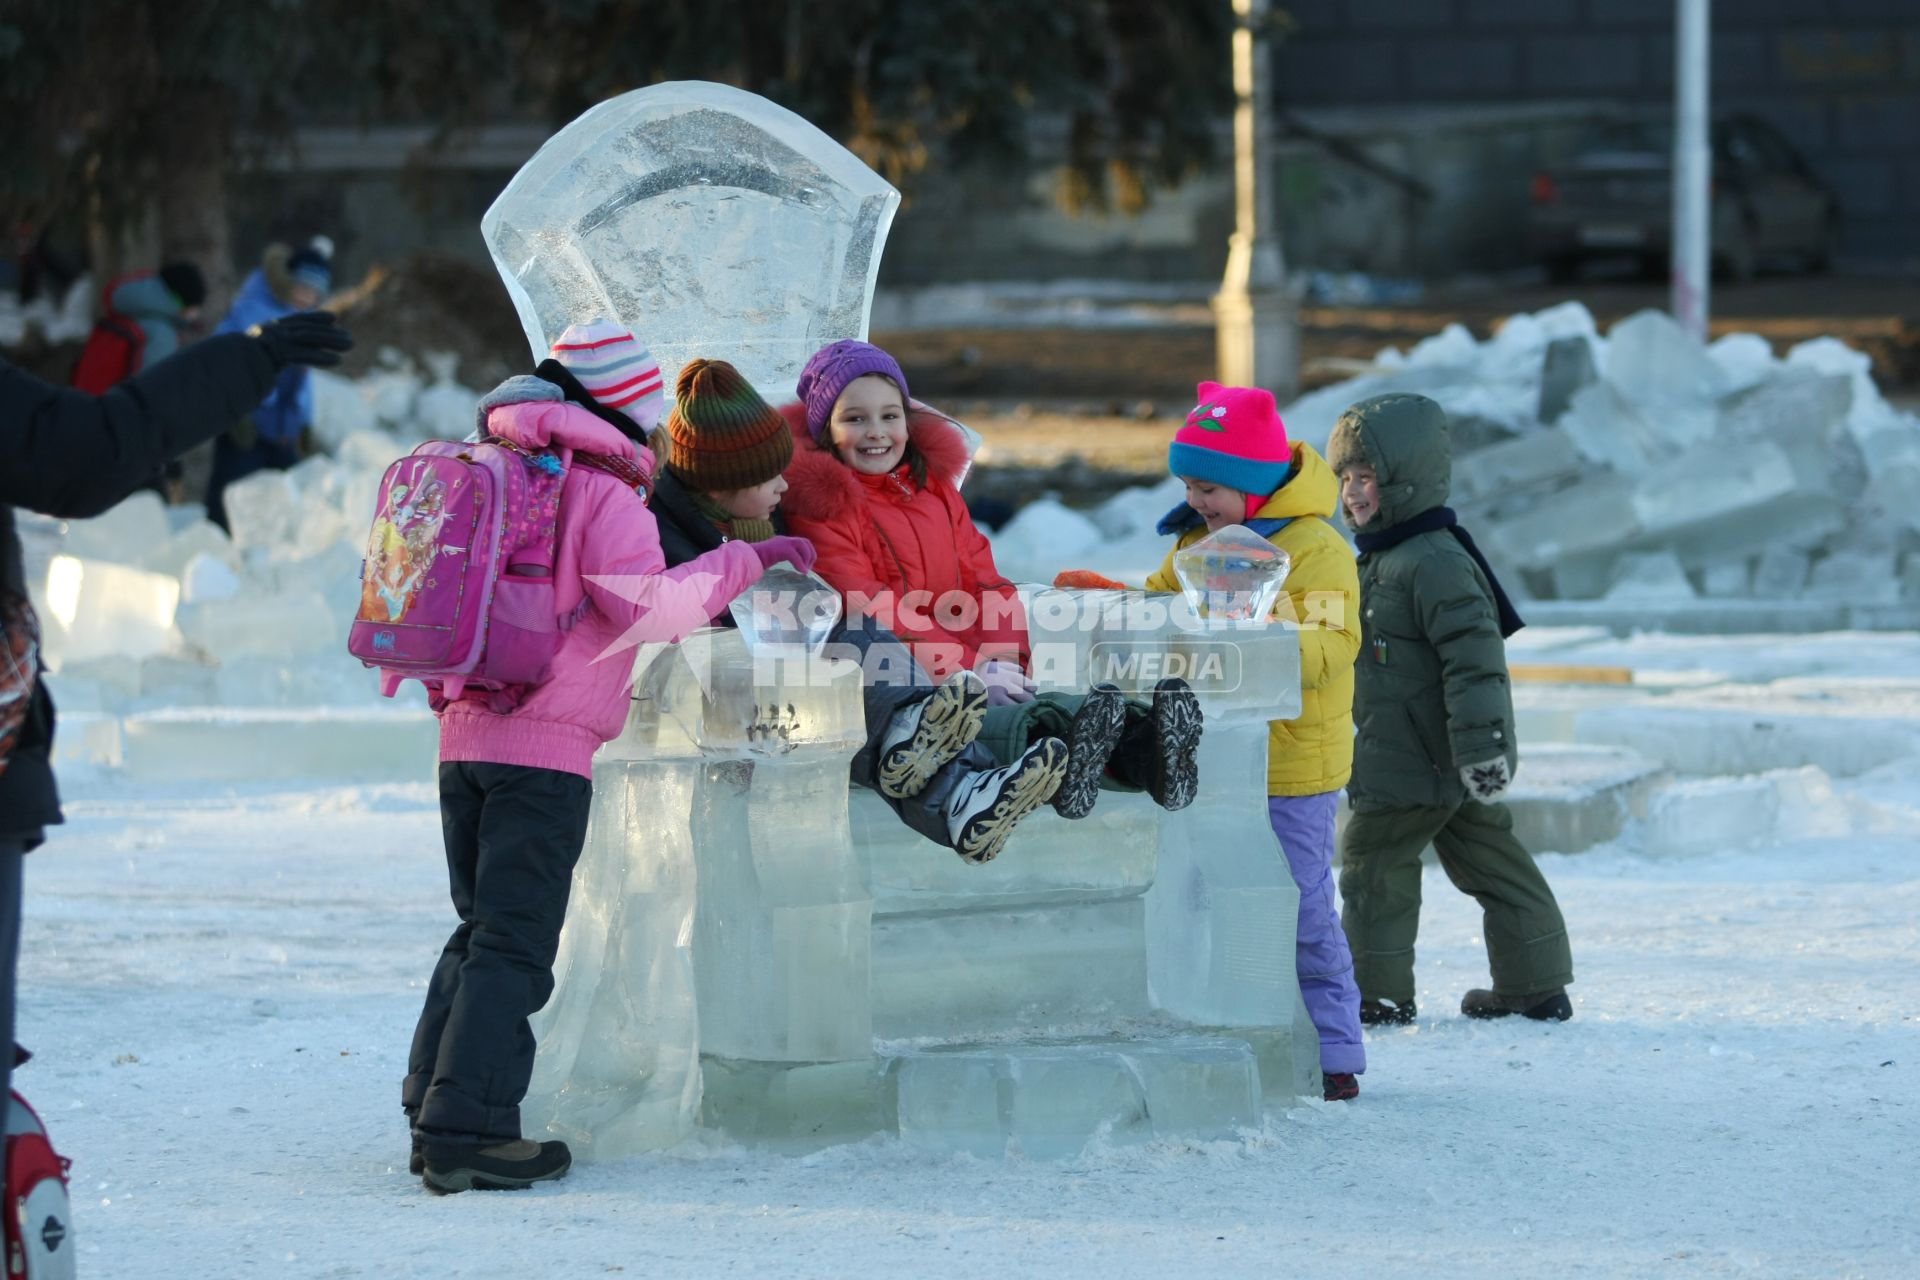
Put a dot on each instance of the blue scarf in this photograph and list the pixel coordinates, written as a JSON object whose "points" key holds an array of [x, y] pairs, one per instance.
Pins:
{"points": [[1432, 521]]}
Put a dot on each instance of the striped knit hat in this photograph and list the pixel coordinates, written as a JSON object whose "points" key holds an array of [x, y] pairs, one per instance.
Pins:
{"points": [[1233, 437], [721, 435], [312, 264], [611, 366]]}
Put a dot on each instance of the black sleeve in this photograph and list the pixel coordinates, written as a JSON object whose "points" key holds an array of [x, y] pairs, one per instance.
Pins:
{"points": [[675, 546], [684, 534], [69, 454]]}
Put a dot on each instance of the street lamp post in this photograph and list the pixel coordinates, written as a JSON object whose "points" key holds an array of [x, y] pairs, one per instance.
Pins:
{"points": [[1692, 168], [1256, 321]]}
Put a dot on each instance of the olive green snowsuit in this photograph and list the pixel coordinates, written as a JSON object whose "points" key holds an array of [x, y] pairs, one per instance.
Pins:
{"points": [[1431, 696]]}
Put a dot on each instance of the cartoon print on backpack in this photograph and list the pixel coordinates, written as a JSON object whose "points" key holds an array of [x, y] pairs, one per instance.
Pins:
{"points": [[457, 587], [404, 542]]}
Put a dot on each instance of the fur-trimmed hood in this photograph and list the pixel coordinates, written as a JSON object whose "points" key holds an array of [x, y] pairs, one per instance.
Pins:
{"points": [[821, 487]]}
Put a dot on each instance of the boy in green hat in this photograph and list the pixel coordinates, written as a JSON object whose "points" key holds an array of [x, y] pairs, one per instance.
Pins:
{"points": [[1433, 712]]}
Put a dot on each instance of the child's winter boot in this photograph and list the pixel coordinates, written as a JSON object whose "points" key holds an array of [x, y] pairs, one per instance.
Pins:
{"points": [[1388, 1013], [1158, 752], [1091, 741], [986, 807], [1541, 1006], [506, 1166], [1339, 1086], [922, 737]]}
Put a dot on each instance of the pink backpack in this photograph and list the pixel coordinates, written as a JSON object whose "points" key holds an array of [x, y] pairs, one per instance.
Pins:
{"points": [[457, 585]]}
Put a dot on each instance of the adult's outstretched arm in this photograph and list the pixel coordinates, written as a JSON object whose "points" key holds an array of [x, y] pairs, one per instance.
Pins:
{"points": [[69, 454]]}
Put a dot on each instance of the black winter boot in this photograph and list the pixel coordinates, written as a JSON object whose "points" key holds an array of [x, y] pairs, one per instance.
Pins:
{"points": [[1541, 1006], [1091, 741], [1157, 752], [1388, 1013], [507, 1166]]}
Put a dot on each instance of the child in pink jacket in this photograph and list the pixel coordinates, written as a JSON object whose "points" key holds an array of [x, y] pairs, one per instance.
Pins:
{"points": [[515, 789]]}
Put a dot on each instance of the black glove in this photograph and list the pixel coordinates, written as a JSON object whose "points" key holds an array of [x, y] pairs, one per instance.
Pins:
{"points": [[305, 337]]}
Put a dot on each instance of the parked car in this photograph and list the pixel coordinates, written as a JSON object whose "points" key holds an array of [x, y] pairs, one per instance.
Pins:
{"points": [[1616, 198]]}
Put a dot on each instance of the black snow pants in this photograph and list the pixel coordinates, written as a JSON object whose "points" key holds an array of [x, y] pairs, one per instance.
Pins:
{"points": [[891, 681], [513, 834]]}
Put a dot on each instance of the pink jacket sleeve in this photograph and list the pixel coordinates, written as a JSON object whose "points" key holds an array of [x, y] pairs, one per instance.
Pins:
{"points": [[625, 576]]}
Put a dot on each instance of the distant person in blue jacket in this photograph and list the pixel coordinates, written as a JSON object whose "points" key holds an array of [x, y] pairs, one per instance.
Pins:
{"points": [[275, 435]]}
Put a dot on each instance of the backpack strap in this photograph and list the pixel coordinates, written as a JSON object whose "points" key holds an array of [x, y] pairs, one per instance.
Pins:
{"points": [[115, 323], [625, 470]]}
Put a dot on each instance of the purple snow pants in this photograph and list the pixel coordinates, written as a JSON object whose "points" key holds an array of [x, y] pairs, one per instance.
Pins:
{"points": [[1304, 826]]}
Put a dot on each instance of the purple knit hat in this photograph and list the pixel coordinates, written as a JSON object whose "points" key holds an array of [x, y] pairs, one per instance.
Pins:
{"points": [[832, 368]]}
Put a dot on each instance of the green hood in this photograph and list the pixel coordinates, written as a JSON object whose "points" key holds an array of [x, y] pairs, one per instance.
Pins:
{"points": [[1405, 439]]}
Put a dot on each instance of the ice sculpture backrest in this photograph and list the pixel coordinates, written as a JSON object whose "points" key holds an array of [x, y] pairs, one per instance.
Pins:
{"points": [[709, 220]]}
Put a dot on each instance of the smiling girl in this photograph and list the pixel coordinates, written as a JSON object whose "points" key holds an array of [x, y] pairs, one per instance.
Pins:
{"points": [[874, 484], [1240, 468], [725, 452]]}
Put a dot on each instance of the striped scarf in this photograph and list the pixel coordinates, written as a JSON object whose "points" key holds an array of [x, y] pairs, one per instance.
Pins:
{"points": [[740, 530]]}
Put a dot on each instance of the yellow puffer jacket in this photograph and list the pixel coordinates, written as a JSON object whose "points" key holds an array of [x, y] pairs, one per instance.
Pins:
{"points": [[1313, 752]]}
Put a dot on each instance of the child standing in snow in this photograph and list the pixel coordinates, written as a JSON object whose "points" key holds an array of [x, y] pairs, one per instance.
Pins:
{"points": [[873, 483], [515, 788], [724, 451], [1240, 469], [276, 435], [1436, 747]]}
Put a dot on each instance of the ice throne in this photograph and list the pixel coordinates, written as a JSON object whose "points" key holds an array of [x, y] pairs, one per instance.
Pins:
{"points": [[753, 949]]}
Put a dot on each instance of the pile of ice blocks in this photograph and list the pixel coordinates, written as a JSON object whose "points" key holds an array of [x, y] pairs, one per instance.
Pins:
{"points": [[1639, 467]]}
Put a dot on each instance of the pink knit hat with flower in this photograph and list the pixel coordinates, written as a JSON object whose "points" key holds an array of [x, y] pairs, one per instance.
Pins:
{"points": [[1234, 438]]}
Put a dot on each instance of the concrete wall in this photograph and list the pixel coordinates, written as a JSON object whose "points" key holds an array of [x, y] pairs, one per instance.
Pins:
{"points": [[1464, 99], [1401, 192], [1841, 78]]}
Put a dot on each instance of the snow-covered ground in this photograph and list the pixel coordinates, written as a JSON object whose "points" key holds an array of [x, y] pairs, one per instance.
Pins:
{"points": [[219, 984]]}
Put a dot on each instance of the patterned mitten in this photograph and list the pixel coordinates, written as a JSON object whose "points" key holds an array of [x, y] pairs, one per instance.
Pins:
{"points": [[1488, 781]]}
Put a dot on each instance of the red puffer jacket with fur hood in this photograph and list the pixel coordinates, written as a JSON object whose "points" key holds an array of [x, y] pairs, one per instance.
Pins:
{"points": [[905, 554]]}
